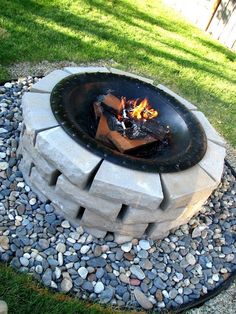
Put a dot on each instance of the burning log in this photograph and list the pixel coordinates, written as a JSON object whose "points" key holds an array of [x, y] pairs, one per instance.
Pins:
{"points": [[124, 145], [128, 125], [112, 102], [103, 129]]}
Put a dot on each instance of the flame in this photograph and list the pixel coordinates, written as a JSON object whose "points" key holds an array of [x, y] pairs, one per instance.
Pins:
{"points": [[143, 110]]}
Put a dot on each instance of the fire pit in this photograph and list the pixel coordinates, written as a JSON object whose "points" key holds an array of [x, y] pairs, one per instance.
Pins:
{"points": [[143, 178]]}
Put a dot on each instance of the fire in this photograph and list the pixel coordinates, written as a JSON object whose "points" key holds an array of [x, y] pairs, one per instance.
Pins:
{"points": [[143, 110]]}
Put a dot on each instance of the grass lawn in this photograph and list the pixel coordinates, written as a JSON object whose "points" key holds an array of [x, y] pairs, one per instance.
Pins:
{"points": [[23, 295], [138, 35]]}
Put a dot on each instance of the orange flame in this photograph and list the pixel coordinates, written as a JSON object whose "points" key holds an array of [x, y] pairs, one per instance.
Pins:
{"points": [[143, 110]]}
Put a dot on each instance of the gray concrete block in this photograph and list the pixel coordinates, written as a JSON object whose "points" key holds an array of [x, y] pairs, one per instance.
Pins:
{"points": [[74, 161], [45, 168], [81, 70], [213, 161], [141, 78], [119, 238], [92, 220], [131, 187], [136, 216], [46, 84], [37, 113], [96, 233], [211, 133], [66, 205], [109, 210], [186, 187], [183, 101]]}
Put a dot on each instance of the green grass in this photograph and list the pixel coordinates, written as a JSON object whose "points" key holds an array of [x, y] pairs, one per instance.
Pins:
{"points": [[139, 35], [24, 295]]}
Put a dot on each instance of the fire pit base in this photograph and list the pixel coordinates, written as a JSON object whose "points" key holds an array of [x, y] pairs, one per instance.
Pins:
{"points": [[102, 196]]}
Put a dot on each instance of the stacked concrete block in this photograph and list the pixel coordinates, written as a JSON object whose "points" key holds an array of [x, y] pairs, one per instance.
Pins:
{"points": [[101, 196]]}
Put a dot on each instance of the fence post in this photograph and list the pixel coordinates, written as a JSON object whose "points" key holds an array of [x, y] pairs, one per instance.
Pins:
{"points": [[214, 9]]}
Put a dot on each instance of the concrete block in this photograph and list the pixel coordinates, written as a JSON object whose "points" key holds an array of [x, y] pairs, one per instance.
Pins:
{"points": [[37, 113], [213, 161], [45, 168], [109, 210], [160, 230], [119, 238], [136, 216], [66, 205], [211, 133], [92, 220], [186, 187], [131, 187], [46, 84], [96, 233], [141, 78], [74, 161], [81, 70], [183, 101]]}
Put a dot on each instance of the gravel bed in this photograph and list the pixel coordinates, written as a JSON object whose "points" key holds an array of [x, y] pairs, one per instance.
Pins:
{"points": [[190, 262]]}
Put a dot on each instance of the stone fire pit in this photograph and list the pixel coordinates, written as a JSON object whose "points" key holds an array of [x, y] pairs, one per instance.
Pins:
{"points": [[102, 196]]}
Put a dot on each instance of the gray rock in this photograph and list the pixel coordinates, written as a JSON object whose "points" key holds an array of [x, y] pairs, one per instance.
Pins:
{"points": [[144, 244], [97, 262], [142, 300], [66, 284], [106, 295], [137, 271], [24, 261]]}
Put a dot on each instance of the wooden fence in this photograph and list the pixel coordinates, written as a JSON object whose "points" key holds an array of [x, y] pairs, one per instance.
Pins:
{"points": [[218, 17]]}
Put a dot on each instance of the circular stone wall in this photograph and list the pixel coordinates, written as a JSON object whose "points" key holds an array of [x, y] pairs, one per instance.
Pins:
{"points": [[99, 195]]}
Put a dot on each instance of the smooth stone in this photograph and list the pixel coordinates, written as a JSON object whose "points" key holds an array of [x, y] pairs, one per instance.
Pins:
{"points": [[137, 271], [144, 244], [4, 242], [97, 262], [190, 259], [124, 278], [106, 295], [65, 224], [88, 286], [84, 249], [24, 261], [61, 247], [126, 247], [142, 299], [83, 272], [66, 285], [99, 287], [44, 244]]}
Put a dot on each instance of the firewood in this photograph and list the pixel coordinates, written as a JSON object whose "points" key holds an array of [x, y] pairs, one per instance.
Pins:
{"points": [[155, 129], [103, 129], [112, 102], [123, 144]]}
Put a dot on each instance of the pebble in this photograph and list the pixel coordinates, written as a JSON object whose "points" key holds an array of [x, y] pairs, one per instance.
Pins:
{"points": [[66, 285], [83, 272], [190, 259], [142, 300], [3, 165], [84, 249], [61, 247], [137, 271], [99, 287], [4, 242], [65, 224], [144, 244], [126, 247]]}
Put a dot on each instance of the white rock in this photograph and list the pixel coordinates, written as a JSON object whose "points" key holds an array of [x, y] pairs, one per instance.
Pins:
{"points": [[144, 244], [65, 224], [190, 259], [84, 249], [126, 247], [60, 259], [215, 277], [57, 272], [61, 247], [8, 85], [83, 272], [99, 287], [32, 201], [3, 165]]}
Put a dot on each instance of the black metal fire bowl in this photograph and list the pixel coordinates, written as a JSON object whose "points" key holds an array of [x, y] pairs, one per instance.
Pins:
{"points": [[72, 104]]}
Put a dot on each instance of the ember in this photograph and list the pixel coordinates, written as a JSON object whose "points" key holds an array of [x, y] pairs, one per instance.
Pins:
{"points": [[128, 124]]}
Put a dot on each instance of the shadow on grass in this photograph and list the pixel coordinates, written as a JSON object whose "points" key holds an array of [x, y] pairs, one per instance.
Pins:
{"points": [[141, 51]]}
